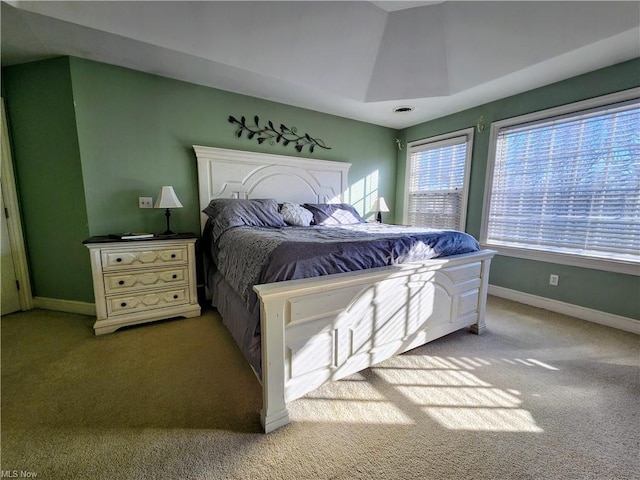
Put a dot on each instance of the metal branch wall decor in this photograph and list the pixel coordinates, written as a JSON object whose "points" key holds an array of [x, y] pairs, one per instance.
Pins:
{"points": [[269, 133]]}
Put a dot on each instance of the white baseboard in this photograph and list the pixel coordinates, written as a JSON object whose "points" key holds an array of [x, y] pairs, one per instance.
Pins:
{"points": [[69, 306], [596, 316]]}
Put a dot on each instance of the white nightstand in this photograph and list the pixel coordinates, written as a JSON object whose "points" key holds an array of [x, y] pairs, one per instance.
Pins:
{"points": [[138, 281]]}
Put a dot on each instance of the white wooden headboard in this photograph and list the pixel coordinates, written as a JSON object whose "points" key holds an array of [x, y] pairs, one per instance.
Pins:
{"points": [[224, 173]]}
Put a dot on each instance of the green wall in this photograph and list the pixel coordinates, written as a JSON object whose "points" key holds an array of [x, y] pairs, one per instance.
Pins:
{"points": [[136, 133], [604, 291], [42, 123], [128, 133]]}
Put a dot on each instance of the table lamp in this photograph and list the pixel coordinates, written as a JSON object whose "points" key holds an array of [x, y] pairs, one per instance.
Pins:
{"points": [[380, 206], [167, 199]]}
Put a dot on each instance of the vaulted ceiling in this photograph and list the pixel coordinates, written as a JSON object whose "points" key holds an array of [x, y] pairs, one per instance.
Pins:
{"points": [[354, 59]]}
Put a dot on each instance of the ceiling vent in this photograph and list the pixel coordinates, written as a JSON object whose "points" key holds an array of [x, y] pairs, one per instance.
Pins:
{"points": [[404, 109]]}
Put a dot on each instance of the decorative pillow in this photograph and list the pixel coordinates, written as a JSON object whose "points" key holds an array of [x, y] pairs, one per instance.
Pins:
{"points": [[333, 214], [229, 213], [296, 215]]}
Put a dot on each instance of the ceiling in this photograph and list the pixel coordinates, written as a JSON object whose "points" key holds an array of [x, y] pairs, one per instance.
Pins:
{"points": [[358, 60]]}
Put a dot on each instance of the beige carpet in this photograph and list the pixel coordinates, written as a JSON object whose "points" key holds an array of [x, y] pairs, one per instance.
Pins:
{"points": [[538, 396]]}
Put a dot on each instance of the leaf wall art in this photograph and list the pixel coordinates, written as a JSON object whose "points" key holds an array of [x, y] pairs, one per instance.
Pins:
{"points": [[274, 135]]}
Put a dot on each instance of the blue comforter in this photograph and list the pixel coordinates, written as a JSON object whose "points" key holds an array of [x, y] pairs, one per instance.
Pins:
{"points": [[248, 256]]}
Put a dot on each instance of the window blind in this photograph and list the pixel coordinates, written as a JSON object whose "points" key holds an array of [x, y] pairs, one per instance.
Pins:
{"points": [[436, 186], [570, 184]]}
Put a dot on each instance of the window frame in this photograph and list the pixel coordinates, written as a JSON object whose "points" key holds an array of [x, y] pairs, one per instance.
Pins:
{"points": [[466, 133], [574, 259]]}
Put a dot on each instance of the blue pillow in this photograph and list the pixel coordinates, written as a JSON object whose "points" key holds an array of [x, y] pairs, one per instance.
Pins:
{"points": [[227, 213], [334, 214], [217, 204]]}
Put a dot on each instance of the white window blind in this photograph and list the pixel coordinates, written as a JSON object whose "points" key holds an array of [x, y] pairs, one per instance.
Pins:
{"points": [[569, 184], [438, 174]]}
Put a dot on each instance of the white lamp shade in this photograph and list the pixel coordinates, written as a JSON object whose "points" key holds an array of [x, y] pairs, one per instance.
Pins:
{"points": [[167, 199], [380, 205]]}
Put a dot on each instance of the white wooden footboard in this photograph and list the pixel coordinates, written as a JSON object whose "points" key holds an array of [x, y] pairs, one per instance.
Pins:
{"points": [[322, 329]]}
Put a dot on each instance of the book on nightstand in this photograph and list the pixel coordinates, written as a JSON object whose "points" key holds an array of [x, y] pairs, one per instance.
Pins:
{"points": [[131, 235]]}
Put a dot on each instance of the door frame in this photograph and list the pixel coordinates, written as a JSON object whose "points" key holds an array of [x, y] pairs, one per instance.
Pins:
{"points": [[14, 222]]}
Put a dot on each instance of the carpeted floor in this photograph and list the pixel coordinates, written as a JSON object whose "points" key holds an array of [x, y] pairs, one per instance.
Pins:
{"points": [[537, 396]]}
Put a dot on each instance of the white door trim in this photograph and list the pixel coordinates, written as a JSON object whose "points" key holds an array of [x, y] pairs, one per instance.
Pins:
{"points": [[14, 222]]}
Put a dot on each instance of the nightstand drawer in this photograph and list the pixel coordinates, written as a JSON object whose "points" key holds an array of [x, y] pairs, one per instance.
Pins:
{"points": [[122, 282], [118, 259], [147, 301]]}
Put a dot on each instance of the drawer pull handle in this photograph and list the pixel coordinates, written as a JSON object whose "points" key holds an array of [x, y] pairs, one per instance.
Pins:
{"points": [[118, 259], [121, 282], [174, 276], [123, 304], [175, 296], [173, 255]]}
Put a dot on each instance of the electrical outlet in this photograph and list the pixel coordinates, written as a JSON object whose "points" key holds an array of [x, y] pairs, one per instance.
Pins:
{"points": [[145, 202], [553, 280]]}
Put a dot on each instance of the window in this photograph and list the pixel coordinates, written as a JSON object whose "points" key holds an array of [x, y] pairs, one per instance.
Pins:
{"points": [[438, 180], [565, 184]]}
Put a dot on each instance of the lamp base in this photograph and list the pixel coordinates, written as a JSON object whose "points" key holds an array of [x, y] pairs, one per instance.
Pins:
{"points": [[379, 217], [167, 232]]}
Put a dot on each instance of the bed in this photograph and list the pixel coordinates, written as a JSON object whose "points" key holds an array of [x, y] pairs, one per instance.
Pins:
{"points": [[310, 331]]}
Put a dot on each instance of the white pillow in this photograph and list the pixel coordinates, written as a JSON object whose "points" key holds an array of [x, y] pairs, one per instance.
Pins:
{"points": [[296, 215]]}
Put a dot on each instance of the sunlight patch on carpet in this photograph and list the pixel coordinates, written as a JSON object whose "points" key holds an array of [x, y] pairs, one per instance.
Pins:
{"points": [[355, 411], [485, 419], [412, 389]]}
